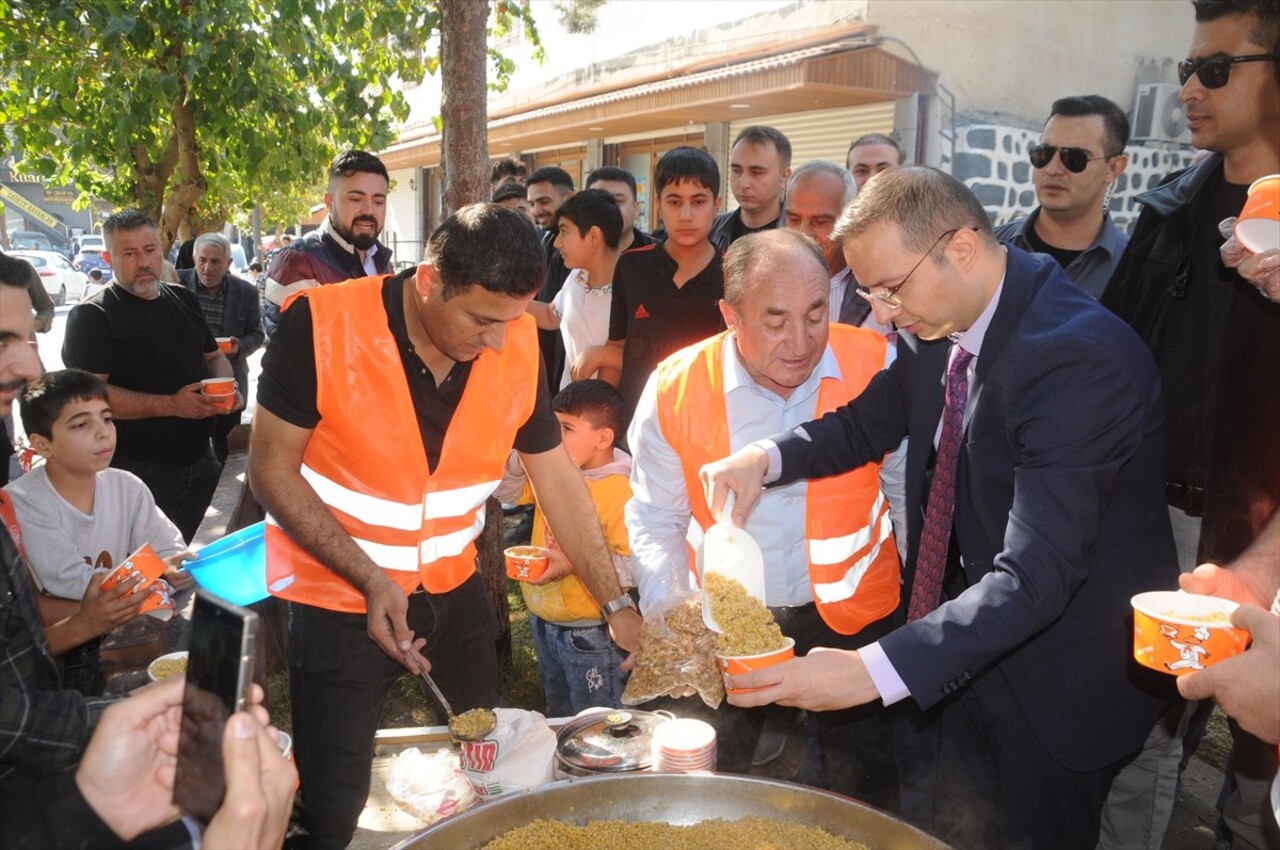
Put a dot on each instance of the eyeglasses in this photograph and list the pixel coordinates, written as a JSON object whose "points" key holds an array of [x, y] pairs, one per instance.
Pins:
{"points": [[1074, 160], [1216, 70], [889, 297]]}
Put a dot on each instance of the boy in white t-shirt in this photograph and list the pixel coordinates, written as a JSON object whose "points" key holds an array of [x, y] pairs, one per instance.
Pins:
{"points": [[80, 518], [588, 228]]}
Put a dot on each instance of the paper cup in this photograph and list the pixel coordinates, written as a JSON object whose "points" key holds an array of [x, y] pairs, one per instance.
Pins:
{"points": [[526, 563], [167, 666], [145, 562], [1258, 226], [224, 344], [1179, 633], [219, 386], [735, 665]]}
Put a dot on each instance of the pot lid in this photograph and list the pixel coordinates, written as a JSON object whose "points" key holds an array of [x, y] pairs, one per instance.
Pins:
{"points": [[609, 740]]}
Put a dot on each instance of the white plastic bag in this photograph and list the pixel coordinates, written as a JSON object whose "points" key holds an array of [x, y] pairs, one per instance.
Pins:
{"points": [[519, 753], [430, 786]]}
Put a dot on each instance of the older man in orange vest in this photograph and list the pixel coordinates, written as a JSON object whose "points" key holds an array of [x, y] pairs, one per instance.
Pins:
{"points": [[386, 410], [831, 564]]}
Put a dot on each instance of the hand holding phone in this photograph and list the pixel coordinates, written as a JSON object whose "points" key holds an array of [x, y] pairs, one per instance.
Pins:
{"points": [[220, 668]]}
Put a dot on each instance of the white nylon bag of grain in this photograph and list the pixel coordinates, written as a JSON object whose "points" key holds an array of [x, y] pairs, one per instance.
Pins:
{"points": [[517, 754]]}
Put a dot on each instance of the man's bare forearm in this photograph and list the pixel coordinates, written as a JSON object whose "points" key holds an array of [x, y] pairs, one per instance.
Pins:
{"points": [[219, 366], [132, 404]]}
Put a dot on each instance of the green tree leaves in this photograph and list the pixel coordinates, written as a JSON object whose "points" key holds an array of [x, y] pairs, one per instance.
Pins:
{"points": [[195, 108]]}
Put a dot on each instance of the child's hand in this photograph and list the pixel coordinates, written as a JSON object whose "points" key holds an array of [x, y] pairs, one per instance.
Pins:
{"points": [[558, 567], [179, 578], [101, 611], [584, 366]]}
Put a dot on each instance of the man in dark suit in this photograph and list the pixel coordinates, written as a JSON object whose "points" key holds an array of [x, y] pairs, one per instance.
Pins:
{"points": [[1038, 515], [231, 306]]}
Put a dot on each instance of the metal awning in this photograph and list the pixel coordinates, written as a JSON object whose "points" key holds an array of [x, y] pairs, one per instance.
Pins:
{"points": [[843, 73]]}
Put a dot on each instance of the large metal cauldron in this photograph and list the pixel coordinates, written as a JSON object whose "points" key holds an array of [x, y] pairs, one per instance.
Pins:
{"points": [[671, 798]]}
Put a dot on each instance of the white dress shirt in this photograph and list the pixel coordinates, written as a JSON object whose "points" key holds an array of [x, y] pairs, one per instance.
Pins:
{"points": [[658, 515]]}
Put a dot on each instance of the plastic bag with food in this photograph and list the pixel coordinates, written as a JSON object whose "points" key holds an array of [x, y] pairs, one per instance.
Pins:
{"points": [[517, 754], [430, 786], [676, 651]]}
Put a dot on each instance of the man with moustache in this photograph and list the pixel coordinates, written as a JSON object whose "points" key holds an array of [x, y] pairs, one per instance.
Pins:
{"points": [[149, 342], [816, 194], [346, 244], [375, 490], [230, 306]]}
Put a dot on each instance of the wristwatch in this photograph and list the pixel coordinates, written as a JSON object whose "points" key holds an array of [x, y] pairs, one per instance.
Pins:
{"points": [[613, 606]]}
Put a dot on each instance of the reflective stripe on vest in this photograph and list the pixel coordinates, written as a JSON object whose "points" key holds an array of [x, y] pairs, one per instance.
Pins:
{"points": [[404, 516], [366, 461], [838, 549], [854, 576]]}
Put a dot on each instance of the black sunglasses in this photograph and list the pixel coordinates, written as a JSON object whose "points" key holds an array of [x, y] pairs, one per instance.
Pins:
{"points": [[1075, 159], [1216, 70]]}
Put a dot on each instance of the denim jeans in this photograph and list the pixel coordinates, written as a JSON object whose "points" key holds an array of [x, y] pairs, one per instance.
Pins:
{"points": [[339, 680], [183, 493], [580, 667]]}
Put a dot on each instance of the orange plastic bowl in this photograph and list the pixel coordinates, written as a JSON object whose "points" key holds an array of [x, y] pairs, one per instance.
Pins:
{"points": [[526, 563], [736, 665], [224, 344], [1179, 633]]}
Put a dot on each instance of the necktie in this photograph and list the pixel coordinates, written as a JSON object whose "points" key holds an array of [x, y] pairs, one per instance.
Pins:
{"points": [[935, 535]]}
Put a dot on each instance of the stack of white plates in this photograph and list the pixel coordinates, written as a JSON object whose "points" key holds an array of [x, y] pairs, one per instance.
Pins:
{"points": [[684, 746]]}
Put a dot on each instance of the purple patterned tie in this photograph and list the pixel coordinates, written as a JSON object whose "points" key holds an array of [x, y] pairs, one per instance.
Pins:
{"points": [[935, 536]]}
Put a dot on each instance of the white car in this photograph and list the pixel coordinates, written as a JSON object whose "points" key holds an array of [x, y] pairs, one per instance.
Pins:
{"points": [[60, 278], [90, 242]]}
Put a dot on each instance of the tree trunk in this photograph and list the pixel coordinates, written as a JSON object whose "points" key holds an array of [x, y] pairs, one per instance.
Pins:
{"points": [[191, 183], [465, 162], [463, 109]]}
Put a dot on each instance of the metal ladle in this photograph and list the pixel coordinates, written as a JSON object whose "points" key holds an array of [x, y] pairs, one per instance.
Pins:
{"points": [[448, 710]]}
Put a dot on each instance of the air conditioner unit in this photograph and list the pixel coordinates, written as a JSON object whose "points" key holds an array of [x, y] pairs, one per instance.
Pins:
{"points": [[1158, 115]]}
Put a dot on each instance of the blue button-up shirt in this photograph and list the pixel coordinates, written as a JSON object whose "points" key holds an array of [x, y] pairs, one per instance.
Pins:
{"points": [[1092, 269]]}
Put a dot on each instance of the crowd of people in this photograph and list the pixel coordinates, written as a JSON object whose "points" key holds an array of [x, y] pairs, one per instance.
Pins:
{"points": [[961, 450]]}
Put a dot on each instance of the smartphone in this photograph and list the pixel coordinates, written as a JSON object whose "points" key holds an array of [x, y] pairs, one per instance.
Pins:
{"points": [[220, 667]]}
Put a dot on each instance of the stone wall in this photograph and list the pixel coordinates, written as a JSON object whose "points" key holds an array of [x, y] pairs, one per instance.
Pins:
{"points": [[991, 159]]}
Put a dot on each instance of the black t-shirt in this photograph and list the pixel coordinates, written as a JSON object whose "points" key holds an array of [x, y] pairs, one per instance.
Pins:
{"points": [[287, 386], [152, 346], [1064, 256], [740, 228], [656, 317]]}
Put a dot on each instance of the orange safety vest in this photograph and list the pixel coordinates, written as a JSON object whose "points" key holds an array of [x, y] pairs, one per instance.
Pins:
{"points": [[853, 562], [366, 462]]}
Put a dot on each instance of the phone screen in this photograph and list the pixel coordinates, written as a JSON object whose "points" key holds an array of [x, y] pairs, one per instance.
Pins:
{"points": [[219, 670]]}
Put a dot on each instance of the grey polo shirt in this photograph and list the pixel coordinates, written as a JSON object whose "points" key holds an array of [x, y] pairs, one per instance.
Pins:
{"points": [[1092, 269]]}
